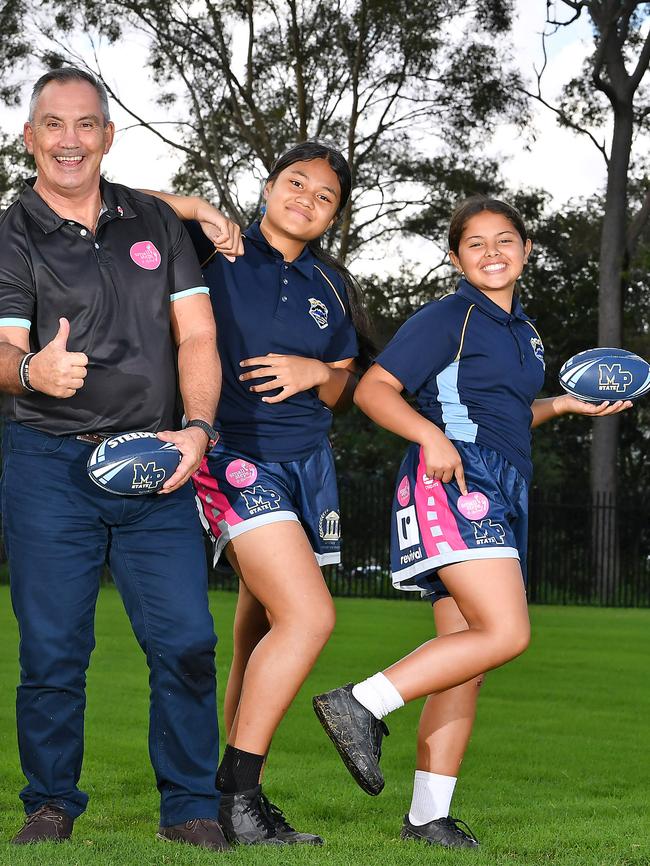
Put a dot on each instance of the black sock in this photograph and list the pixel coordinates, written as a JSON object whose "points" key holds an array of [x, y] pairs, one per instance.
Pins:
{"points": [[239, 770]]}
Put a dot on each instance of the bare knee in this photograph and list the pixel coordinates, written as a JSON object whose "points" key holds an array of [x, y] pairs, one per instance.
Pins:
{"points": [[521, 640], [309, 625], [321, 625], [248, 634], [504, 643], [515, 640]]}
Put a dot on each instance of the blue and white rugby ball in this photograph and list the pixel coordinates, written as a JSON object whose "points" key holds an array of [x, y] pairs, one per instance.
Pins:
{"points": [[606, 374], [132, 464]]}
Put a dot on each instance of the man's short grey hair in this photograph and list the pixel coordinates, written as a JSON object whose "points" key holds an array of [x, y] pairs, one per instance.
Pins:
{"points": [[63, 76]]}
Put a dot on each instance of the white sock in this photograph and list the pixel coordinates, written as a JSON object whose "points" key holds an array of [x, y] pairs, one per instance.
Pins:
{"points": [[378, 695], [432, 795]]}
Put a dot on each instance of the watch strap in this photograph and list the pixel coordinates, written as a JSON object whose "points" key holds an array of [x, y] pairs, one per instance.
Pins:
{"points": [[208, 429]]}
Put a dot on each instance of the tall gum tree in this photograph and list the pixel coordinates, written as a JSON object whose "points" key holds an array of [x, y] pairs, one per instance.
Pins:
{"points": [[611, 94], [610, 99]]}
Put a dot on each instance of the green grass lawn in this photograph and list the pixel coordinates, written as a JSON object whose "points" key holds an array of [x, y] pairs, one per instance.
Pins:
{"points": [[557, 771]]}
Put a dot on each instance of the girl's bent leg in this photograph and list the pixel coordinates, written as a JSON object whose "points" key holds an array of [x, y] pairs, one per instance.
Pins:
{"points": [[447, 717], [443, 734], [250, 625], [279, 569], [490, 595]]}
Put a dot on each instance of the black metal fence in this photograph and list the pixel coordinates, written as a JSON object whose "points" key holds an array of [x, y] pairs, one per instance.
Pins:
{"points": [[584, 551], [579, 551]]}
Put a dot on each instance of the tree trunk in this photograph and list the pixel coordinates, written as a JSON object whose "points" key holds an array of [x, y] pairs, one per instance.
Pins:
{"points": [[604, 449]]}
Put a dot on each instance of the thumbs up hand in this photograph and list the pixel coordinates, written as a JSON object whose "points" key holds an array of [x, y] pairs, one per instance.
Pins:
{"points": [[54, 370]]}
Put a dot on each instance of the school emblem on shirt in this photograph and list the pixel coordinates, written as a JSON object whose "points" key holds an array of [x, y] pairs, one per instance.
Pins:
{"points": [[329, 526], [538, 349], [319, 312]]}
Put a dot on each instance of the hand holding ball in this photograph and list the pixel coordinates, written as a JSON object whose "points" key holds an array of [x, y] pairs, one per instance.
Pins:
{"points": [[133, 464]]}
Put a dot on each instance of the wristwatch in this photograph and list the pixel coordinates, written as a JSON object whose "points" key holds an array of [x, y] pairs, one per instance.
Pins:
{"points": [[208, 429]]}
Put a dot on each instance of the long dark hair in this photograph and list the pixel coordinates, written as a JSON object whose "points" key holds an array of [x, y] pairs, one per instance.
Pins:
{"points": [[476, 204], [304, 152]]}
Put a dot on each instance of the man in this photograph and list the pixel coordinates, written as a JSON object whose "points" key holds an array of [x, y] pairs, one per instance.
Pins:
{"points": [[103, 313]]}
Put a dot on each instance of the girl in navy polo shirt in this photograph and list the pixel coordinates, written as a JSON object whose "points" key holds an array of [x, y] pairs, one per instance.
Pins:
{"points": [[290, 324], [474, 363]]}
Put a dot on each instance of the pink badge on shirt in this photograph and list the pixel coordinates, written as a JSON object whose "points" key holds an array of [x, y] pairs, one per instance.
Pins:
{"points": [[145, 255], [404, 492], [240, 473], [473, 506]]}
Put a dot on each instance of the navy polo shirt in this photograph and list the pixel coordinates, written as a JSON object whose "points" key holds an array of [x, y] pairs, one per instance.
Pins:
{"points": [[263, 304], [474, 370], [115, 287]]}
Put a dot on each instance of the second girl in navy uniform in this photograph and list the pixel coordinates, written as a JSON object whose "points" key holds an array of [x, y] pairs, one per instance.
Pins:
{"points": [[474, 363]]}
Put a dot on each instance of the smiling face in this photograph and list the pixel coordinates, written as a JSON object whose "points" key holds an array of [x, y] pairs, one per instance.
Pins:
{"points": [[491, 252], [68, 139], [302, 201]]}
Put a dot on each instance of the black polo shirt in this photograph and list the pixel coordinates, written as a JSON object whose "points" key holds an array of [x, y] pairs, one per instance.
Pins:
{"points": [[115, 287]]}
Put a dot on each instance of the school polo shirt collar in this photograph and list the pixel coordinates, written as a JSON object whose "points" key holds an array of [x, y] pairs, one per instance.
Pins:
{"points": [[304, 263], [49, 221], [467, 290]]}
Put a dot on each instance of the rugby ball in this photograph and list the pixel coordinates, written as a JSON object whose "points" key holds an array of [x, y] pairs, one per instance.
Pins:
{"points": [[606, 374], [133, 464]]}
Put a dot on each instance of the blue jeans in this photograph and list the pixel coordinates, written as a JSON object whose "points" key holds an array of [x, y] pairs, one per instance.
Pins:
{"points": [[59, 530]]}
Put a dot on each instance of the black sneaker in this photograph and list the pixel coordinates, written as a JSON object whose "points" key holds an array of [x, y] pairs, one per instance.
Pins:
{"points": [[202, 832], [245, 820], [284, 830], [356, 733], [47, 824], [442, 831]]}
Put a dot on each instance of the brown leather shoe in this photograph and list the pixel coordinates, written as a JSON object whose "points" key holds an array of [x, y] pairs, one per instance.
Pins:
{"points": [[202, 832], [47, 824]]}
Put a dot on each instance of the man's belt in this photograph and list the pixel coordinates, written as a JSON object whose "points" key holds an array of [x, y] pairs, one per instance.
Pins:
{"points": [[93, 438]]}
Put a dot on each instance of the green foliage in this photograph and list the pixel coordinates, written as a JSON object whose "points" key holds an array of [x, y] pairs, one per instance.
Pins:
{"points": [[613, 74], [387, 81], [561, 291], [555, 773], [362, 449], [14, 49], [15, 165]]}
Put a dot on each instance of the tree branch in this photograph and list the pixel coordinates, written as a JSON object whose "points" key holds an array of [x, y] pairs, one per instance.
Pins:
{"points": [[566, 121], [642, 64]]}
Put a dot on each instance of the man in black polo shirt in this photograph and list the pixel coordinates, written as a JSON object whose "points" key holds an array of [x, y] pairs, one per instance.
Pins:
{"points": [[103, 317]]}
